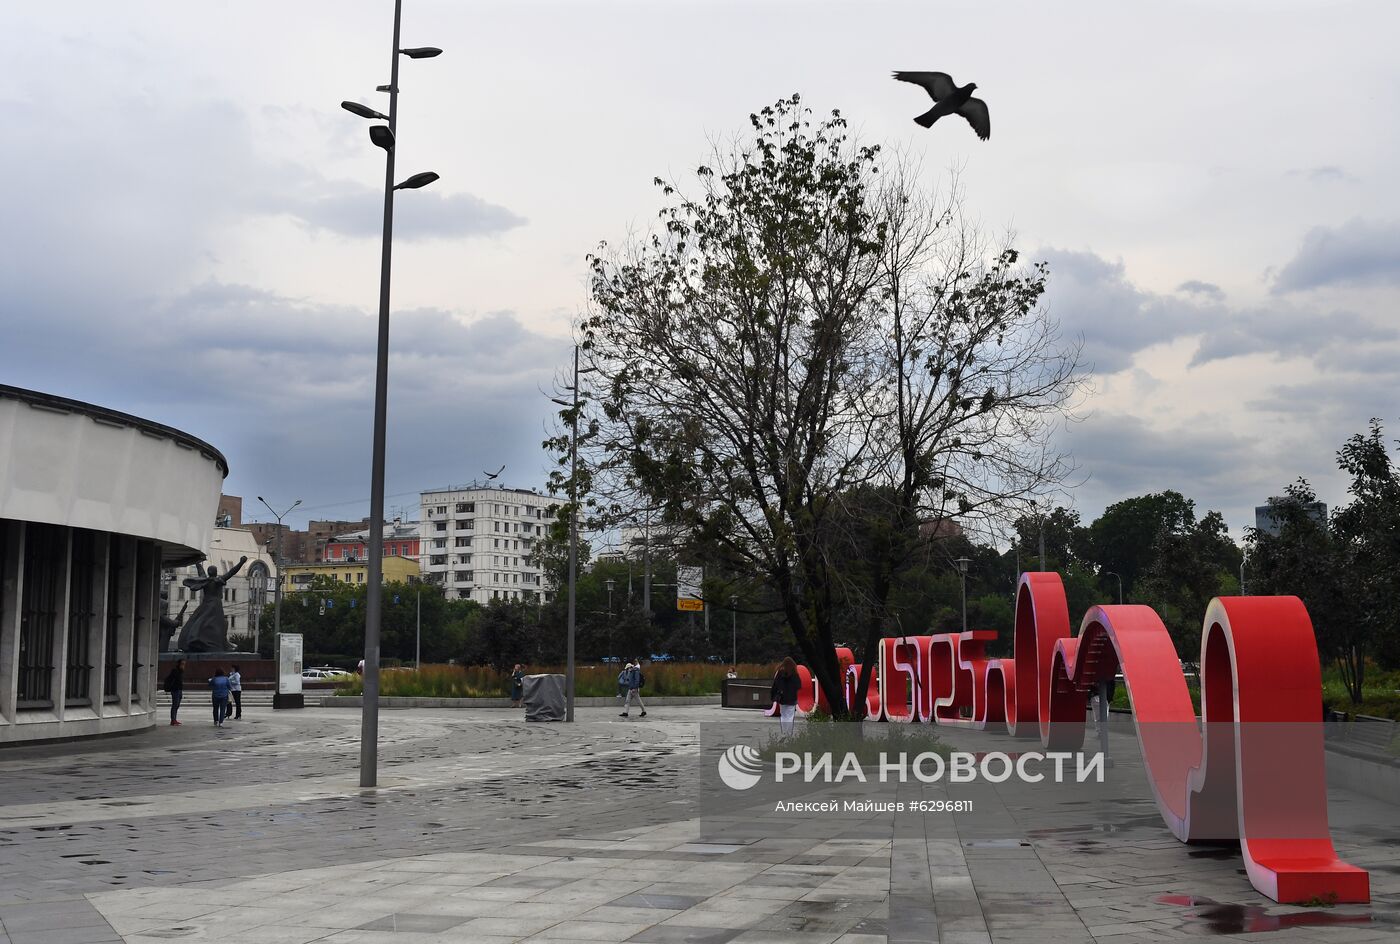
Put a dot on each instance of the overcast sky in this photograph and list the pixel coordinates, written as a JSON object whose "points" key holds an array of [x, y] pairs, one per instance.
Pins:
{"points": [[191, 222]]}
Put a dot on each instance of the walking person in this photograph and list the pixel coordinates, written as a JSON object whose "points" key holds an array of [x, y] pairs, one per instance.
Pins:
{"points": [[219, 683], [634, 680], [235, 690], [517, 686], [175, 685], [785, 687], [622, 682]]}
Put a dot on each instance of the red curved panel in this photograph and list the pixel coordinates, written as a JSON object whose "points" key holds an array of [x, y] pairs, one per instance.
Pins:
{"points": [[1042, 619], [1256, 772]]}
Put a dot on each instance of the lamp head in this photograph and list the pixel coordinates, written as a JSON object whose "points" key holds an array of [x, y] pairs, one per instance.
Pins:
{"points": [[381, 136], [364, 111], [417, 181], [421, 52]]}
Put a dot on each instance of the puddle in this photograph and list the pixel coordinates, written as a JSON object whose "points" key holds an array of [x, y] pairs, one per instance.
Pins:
{"points": [[1224, 918]]}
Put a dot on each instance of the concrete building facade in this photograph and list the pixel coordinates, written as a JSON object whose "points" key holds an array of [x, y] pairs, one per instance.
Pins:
{"points": [[93, 505], [400, 540], [478, 542], [352, 572]]}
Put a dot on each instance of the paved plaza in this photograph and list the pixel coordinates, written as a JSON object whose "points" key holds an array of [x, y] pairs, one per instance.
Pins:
{"points": [[488, 829]]}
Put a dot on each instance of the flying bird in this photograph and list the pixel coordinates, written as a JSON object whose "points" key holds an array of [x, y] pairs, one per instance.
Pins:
{"points": [[950, 100], [494, 475]]}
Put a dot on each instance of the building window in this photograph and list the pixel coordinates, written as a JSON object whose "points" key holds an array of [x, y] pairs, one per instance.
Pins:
{"points": [[461, 508], [496, 526], [81, 611], [464, 576], [442, 509], [469, 524], [114, 615], [360, 577], [439, 542], [437, 560], [45, 546], [464, 542], [440, 526]]}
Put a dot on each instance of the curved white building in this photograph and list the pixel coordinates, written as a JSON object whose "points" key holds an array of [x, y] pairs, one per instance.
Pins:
{"points": [[92, 504]]}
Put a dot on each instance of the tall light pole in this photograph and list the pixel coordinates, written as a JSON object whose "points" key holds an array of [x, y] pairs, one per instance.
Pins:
{"points": [[382, 136], [962, 563], [277, 587], [1110, 573], [573, 534], [734, 630], [1242, 592]]}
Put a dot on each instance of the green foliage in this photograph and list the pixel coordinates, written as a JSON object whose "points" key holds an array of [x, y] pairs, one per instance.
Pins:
{"points": [[811, 359], [330, 615], [456, 681], [1344, 569]]}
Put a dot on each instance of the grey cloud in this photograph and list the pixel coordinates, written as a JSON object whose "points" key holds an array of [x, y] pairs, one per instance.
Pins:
{"points": [[352, 209], [1285, 330], [1359, 252], [1206, 289], [1325, 173], [285, 386], [1093, 298], [1122, 456]]}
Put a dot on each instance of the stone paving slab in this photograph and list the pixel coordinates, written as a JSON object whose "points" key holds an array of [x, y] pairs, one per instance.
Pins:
{"points": [[488, 829]]}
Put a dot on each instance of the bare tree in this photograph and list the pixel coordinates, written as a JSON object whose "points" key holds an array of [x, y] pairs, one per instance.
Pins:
{"points": [[809, 359]]}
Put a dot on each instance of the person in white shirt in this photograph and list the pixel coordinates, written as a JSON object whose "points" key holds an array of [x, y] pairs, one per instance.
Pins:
{"points": [[235, 688]]}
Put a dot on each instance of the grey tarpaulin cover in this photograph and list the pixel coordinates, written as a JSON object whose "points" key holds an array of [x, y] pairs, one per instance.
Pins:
{"points": [[544, 697]]}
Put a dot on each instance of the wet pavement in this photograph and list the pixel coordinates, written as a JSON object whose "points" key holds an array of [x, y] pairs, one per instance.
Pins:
{"points": [[486, 828]]}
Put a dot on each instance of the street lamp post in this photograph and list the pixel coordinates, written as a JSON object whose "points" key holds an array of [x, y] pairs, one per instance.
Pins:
{"points": [[277, 587], [573, 534], [1120, 585], [734, 630], [385, 137], [962, 563]]}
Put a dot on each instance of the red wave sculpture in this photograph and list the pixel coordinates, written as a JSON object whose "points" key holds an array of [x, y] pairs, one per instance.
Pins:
{"points": [[1251, 770]]}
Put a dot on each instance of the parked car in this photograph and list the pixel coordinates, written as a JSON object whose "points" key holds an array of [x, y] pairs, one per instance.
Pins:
{"points": [[324, 675], [332, 670]]}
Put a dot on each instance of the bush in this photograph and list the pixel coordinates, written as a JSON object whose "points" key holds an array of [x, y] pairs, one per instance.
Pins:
{"points": [[480, 681]]}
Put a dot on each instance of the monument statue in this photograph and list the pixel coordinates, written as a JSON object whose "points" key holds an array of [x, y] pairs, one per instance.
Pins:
{"points": [[207, 630], [168, 626]]}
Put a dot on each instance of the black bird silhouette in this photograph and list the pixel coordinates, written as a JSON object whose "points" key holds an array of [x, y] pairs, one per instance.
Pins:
{"points": [[496, 474], [950, 100]]}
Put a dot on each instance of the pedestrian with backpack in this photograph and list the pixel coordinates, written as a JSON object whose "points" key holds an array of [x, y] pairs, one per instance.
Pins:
{"points": [[219, 684], [175, 685], [633, 678]]}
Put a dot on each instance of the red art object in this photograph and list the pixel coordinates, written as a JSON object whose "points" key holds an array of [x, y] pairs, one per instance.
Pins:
{"points": [[1252, 769]]}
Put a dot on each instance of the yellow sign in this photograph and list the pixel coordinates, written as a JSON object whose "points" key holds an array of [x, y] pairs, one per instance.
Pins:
{"points": [[693, 605]]}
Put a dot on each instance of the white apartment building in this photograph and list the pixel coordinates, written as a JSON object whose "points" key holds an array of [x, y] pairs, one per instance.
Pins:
{"points": [[478, 543]]}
